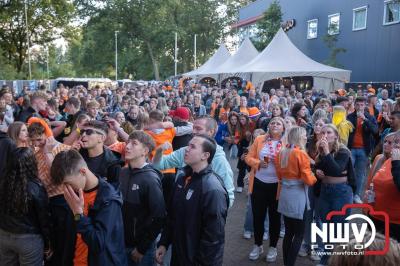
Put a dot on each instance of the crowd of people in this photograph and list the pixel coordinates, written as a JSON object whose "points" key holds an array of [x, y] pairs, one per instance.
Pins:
{"points": [[142, 175]]}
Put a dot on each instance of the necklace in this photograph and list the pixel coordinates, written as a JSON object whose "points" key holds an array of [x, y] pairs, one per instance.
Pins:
{"points": [[272, 152]]}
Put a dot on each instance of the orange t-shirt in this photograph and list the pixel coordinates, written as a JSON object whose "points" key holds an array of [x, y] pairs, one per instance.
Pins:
{"points": [[244, 110], [81, 249], [387, 196], [214, 106], [118, 147], [167, 135], [358, 141]]}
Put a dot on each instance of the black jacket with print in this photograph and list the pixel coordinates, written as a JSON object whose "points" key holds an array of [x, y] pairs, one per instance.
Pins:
{"points": [[196, 223], [144, 208]]}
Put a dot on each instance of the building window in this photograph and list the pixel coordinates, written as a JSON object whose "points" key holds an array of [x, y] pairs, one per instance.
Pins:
{"points": [[360, 18], [391, 14], [312, 29], [333, 24]]}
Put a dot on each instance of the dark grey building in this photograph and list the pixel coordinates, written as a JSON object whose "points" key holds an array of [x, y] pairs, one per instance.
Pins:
{"points": [[368, 29]]}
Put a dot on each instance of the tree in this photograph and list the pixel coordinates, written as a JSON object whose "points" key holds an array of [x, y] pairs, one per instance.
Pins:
{"points": [[7, 71], [268, 26], [330, 39], [146, 36], [46, 22]]}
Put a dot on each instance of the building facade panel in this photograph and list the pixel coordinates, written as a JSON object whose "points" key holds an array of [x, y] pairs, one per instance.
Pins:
{"points": [[373, 53]]}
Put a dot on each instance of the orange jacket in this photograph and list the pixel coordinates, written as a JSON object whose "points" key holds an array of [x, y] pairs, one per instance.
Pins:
{"points": [[298, 167], [253, 159]]}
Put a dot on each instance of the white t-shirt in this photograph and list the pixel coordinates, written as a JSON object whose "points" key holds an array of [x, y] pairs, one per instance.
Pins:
{"points": [[268, 175]]}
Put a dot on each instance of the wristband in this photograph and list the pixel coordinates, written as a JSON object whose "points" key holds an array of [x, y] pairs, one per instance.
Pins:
{"points": [[78, 217]]}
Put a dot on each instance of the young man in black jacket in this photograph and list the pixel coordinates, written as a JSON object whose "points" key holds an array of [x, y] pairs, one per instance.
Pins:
{"points": [[97, 216], [361, 143], [143, 209], [100, 160], [198, 210]]}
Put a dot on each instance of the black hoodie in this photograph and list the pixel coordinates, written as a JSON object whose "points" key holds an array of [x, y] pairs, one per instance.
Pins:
{"points": [[106, 165], [143, 209], [7, 146]]}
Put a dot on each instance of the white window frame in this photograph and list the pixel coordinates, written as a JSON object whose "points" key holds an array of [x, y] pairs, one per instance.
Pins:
{"points": [[354, 17], [308, 25], [334, 15], [384, 13]]}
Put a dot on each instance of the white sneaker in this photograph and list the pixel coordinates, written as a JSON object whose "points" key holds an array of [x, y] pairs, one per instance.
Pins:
{"points": [[247, 235], [272, 254], [303, 252], [239, 189], [357, 199], [266, 236], [282, 234], [255, 253]]}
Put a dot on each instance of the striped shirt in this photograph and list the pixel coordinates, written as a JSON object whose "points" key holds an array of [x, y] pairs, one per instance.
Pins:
{"points": [[44, 164]]}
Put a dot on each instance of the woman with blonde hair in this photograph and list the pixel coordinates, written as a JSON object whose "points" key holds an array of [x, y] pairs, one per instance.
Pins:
{"points": [[335, 171], [344, 127], [392, 258], [263, 186], [162, 105], [385, 185], [383, 118], [294, 172]]}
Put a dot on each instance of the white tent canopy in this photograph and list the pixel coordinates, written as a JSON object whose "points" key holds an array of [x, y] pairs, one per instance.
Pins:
{"points": [[243, 55], [220, 56], [281, 58]]}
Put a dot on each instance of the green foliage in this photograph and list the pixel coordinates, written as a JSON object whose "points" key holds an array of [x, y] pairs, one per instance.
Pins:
{"points": [[46, 21], [145, 39], [7, 71], [146, 36], [268, 26], [330, 41]]}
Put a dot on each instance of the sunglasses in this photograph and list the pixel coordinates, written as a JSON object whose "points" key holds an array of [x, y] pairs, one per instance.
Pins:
{"points": [[90, 131]]}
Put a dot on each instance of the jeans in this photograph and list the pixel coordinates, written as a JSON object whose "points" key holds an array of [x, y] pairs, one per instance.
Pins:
{"points": [[248, 222], [20, 249], [311, 216], [263, 199], [148, 257], [332, 198], [360, 163], [294, 233]]}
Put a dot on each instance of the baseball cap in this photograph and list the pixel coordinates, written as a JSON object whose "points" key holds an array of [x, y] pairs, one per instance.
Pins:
{"points": [[180, 112]]}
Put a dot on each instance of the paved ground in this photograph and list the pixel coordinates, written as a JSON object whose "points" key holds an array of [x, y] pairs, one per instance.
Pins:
{"points": [[236, 247]]}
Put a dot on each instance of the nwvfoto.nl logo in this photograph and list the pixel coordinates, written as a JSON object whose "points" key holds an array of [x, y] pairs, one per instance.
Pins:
{"points": [[339, 234]]}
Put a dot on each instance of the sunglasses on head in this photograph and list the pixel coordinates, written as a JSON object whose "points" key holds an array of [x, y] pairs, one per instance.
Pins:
{"points": [[90, 131]]}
